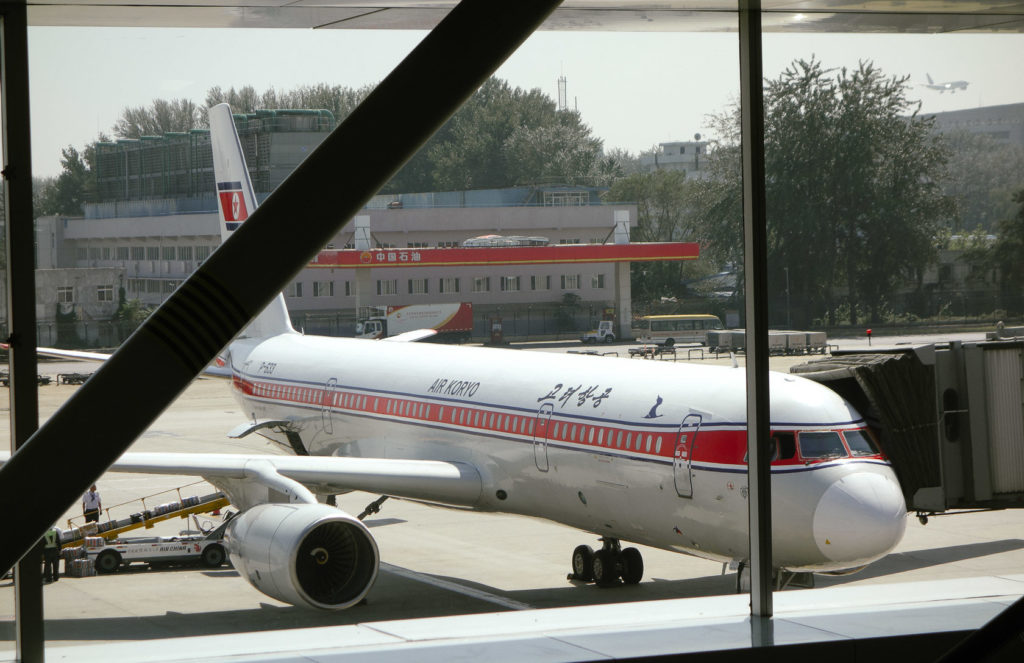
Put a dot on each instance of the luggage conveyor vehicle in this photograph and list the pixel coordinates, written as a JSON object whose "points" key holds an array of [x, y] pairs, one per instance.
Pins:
{"points": [[158, 551], [145, 516]]}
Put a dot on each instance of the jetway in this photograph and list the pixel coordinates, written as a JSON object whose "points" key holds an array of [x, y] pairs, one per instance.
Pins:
{"points": [[951, 419]]}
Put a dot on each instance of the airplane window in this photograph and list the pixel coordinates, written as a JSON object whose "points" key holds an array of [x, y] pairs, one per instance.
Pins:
{"points": [[600, 437], [462, 417], [572, 434], [531, 426], [476, 418], [650, 438], [618, 440], [508, 422], [657, 447], [515, 424], [860, 443], [821, 444]]}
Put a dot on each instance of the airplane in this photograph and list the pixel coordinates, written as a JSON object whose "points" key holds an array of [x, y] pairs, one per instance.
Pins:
{"points": [[952, 86], [630, 451]]}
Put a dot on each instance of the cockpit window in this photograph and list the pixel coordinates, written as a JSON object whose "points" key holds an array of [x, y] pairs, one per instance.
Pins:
{"points": [[860, 443], [784, 446], [824, 444]]}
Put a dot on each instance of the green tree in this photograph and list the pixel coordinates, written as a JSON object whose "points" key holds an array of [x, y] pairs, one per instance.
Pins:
{"points": [[984, 175], [504, 136], [160, 117], [666, 212], [70, 190], [1005, 256], [853, 193]]}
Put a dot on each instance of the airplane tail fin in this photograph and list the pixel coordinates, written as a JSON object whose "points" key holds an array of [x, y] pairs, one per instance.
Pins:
{"points": [[929, 77], [235, 202]]}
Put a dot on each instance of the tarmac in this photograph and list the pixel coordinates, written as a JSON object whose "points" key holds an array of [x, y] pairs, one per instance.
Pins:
{"points": [[436, 561]]}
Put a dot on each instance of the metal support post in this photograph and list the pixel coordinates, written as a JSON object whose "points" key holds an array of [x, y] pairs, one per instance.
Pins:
{"points": [[755, 265], [21, 314], [202, 316]]}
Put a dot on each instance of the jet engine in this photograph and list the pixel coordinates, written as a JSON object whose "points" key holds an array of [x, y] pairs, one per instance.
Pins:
{"points": [[305, 554]]}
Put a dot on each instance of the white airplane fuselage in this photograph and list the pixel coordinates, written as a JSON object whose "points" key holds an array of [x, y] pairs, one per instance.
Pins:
{"points": [[642, 451]]}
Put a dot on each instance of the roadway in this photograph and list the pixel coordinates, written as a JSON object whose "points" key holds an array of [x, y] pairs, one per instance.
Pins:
{"points": [[436, 561]]}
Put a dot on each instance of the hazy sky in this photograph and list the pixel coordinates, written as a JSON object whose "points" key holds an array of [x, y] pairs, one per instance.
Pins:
{"points": [[633, 89]]}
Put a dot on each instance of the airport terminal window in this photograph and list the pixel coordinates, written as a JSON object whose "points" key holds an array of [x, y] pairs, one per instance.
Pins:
{"points": [[105, 293], [65, 294], [597, 281], [122, 253], [94, 253], [184, 253], [858, 443], [387, 287], [294, 289], [509, 283], [323, 288]]}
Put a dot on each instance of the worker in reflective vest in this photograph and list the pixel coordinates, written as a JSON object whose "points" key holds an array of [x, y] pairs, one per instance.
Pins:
{"points": [[51, 555]]}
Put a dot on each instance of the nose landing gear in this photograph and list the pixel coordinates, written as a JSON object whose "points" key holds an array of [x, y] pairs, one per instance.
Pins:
{"points": [[609, 566]]}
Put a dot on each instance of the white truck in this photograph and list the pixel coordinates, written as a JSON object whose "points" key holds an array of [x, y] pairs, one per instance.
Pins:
{"points": [[205, 549], [453, 322], [604, 333]]}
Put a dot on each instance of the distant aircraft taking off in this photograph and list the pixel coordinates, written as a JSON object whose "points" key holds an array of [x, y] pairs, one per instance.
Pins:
{"points": [[952, 86]]}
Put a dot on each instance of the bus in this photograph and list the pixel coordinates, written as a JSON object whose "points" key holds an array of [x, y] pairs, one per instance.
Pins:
{"points": [[673, 329]]}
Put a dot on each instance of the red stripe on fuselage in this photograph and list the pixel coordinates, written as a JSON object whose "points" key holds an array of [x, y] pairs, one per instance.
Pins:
{"points": [[714, 445]]}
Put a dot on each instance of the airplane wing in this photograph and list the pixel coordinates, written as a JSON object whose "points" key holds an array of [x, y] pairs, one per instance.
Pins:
{"points": [[213, 370], [411, 336], [452, 483]]}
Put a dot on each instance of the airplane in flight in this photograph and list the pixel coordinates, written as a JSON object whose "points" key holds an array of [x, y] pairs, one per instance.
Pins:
{"points": [[952, 86], [630, 451]]}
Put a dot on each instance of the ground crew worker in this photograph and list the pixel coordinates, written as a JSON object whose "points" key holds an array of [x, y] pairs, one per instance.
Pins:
{"points": [[51, 555], [91, 505]]}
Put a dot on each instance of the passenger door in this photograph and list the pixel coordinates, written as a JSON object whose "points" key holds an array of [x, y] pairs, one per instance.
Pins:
{"points": [[682, 458], [540, 436]]}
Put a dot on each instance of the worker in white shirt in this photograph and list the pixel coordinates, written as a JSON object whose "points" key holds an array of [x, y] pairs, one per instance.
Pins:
{"points": [[91, 505]]}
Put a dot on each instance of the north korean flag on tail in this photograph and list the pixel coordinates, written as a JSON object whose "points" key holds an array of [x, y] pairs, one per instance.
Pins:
{"points": [[232, 203]]}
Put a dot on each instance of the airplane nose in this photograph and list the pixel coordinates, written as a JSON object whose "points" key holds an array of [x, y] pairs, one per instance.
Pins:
{"points": [[860, 518]]}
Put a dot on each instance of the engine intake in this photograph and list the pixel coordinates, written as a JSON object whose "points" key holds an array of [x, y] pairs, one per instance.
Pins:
{"points": [[305, 554]]}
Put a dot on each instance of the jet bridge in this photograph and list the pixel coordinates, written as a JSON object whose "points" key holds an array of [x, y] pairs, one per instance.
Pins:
{"points": [[950, 417]]}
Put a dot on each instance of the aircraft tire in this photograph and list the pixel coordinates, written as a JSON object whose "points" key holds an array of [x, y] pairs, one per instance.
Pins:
{"points": [[582, 563], [213, 556], [603, 568], [108, 562], [632, 566]]}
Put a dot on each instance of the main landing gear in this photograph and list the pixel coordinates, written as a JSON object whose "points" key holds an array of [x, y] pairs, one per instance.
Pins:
{"points": [[609, 566]]}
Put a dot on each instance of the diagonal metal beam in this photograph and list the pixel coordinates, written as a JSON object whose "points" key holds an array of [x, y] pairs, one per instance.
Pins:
{"points": [[234, 284]]}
